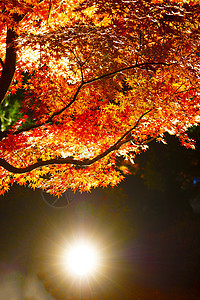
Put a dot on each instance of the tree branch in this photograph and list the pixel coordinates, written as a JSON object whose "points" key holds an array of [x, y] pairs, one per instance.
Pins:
{"points": [[69, 160], [50, 119], [4, 134], [1, 62], [135, 126], [9, 65], [125, 69], [10, 59]]}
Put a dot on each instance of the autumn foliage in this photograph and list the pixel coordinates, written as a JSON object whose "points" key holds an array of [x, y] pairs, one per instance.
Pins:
{"points": [[103, 78]]}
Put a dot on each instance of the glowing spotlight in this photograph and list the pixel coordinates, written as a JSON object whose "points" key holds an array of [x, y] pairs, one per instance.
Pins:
{"points": [[81, 259]]}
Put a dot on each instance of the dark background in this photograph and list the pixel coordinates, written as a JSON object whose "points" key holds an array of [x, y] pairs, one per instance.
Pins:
{"points": [[148, 230]]}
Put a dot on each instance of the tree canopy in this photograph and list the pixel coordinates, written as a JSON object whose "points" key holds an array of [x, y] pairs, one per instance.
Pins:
{"points": [[100, 79]]}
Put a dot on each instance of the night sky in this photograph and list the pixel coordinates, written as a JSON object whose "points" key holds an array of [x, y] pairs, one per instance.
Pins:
{"points": [[146, 228]]}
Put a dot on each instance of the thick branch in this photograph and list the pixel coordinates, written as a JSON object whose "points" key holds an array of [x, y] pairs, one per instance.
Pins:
{"points": [[1, 62], [60, 161], [10, 60], [9, 64]]}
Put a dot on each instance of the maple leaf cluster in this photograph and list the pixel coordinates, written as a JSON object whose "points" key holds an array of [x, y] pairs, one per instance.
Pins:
{"points": [[102, 80]]}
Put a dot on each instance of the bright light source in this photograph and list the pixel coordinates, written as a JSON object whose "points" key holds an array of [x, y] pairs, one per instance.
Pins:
{"points": [[81, 258]]}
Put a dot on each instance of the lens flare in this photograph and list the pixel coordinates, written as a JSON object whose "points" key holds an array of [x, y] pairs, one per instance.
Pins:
{"points": [[81, 258]]}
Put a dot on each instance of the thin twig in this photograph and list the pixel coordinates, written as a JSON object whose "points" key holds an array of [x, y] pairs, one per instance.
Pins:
{"points": [[194, 88]]}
